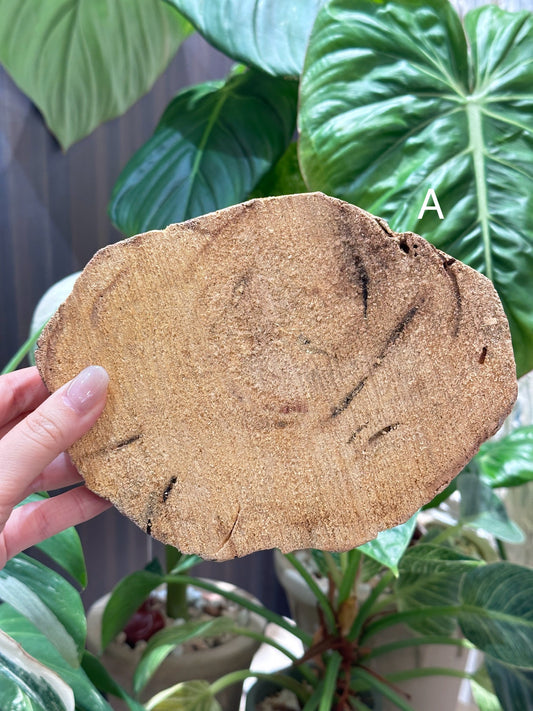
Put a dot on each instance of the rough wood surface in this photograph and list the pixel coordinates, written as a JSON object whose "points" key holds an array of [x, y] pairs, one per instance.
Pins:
{"points": [[284, 373]]}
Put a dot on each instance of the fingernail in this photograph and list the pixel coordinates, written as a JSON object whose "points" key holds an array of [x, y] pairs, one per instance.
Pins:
{"points": [[87, 388]]}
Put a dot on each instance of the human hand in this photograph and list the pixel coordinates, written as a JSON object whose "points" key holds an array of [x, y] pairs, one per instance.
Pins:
{"points": [[35, 430]]}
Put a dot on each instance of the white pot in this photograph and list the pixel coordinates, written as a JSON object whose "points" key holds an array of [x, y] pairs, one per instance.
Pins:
{"points": [[120, 660], [438, 693]]}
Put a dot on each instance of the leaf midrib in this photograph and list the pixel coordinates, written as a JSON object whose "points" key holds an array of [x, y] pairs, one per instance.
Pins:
{"points": [[477, 147]]}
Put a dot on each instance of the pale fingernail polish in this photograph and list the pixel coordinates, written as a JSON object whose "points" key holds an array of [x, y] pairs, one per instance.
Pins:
{"points": [[87, 388]]}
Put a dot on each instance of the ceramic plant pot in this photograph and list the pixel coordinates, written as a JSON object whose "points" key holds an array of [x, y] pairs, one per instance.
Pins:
{"points": [[209, 664]]}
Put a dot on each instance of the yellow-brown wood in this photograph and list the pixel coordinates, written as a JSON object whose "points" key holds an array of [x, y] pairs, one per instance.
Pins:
{"points": [[287, 373]]}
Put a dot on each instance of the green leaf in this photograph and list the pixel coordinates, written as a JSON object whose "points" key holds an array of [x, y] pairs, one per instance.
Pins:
{"points": [[83, 63], [187, 696], [482, 509], [214, 142], [508, 461], [41, 686], [430, 576], [12, 698], [47, 600], [389, 546], [35, 643], [100, 677], [163, 642], [483, 691], [497, 612], [64, 548], [397, 98], [284, 178], [271, 35], [125, 599], [513, 686]]}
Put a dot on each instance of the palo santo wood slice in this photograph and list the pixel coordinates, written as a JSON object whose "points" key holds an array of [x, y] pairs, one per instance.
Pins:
{"points": [[287, 373]]}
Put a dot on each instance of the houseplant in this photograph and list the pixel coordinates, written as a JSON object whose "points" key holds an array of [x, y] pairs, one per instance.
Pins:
{"points": [[474, 164]]}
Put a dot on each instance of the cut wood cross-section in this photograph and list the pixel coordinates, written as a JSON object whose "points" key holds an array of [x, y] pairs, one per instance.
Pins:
{"points": [[287, 373]]}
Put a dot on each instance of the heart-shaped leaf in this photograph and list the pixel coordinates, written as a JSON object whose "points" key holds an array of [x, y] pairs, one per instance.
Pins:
{"points": [[497, 612], [214, 142], [397, 98], [389, 546], [47, 600], [42, 686], [271, 35], [83, 63]]}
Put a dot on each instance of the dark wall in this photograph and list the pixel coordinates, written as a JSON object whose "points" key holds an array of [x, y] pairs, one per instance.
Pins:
{"points": [[53, 217]]}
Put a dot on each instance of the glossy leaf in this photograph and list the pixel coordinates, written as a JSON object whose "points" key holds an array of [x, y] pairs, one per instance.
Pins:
{"points": [[508, 461], [398, 98], [482, 509], [87, 698], [430, 576], [83, 63], [41, 686], [126, 597], [389, 546], [64, 548], [47, 600], [497, 612], [162, 643], [186, 696], [513, 686], [284, 178], [12, 698], [214, 142], [271, 35]]}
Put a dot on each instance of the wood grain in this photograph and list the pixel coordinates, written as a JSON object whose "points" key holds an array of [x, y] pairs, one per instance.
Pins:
{"points": [[284, 373]]}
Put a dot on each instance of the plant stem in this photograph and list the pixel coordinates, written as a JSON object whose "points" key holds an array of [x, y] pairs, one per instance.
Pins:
{"points": [[330, 682], [247, 604], [239, 676], [427, 671], [397, 618], [176, 606], [315, 588], [349, 575], [381, 685], [416, 642], [22, 352], [368, 604]]}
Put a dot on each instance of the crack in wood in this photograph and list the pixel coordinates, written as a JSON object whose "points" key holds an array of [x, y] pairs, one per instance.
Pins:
{"points": [[126, 442], [356, 432], [390, 341], [232, 529], [169, 488], [447, 263], [383, 431]]}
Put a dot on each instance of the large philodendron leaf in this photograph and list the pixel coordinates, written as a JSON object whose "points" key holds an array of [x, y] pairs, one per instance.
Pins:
{"points": [[271, 35], [398, 98], [83, 62], [508, 461], [214, 142], [513, 686]]}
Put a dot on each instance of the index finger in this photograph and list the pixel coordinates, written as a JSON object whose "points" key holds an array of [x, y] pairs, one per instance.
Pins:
{"points": [[20, 391]]}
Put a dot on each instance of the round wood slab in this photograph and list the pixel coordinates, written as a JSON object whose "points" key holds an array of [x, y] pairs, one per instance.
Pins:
{"points": [[287, 373]]}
